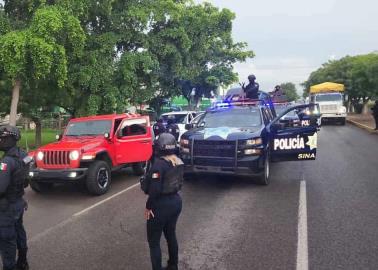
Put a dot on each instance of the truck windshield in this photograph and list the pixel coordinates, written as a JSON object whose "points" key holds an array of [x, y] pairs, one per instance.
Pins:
{"points": [[88, 128], [236, 117], [329, 97]]}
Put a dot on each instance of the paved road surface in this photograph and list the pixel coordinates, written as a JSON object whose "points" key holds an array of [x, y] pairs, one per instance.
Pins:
{"points": [[227, 223]]}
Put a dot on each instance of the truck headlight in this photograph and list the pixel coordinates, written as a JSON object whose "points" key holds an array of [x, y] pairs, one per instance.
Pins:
{"points": [[255, 141], [184, 142], [74, 155], [342, 109], [40, 156]]}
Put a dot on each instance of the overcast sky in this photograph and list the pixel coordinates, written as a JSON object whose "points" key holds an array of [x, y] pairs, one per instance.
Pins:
{"points": [[292, 38]]}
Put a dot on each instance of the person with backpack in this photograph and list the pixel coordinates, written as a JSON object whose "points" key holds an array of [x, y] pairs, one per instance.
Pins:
{"points": [[162, 183], [13, 180]]}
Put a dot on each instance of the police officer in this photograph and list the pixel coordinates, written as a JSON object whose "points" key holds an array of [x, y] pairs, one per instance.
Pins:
{"points": [[164, 204], [13, 172], [173, 129], [158, 127], [252, 89]]}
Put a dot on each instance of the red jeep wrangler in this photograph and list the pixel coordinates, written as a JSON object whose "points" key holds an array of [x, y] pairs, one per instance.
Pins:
{"points": [[90, 149]]}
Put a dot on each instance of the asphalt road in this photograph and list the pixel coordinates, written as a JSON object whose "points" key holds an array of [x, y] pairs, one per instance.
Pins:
{"points": [[227, 223]]}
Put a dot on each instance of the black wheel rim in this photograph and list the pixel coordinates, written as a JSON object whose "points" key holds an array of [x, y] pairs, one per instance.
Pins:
{"points": [[103, 178]]}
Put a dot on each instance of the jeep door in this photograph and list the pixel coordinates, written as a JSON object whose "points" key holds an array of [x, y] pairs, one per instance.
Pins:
{"points": [[289, 142], [133, 141]]}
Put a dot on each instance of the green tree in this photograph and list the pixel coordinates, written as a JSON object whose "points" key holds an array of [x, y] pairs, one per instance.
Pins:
{"points": [[290, 91], [357, 73], [38, 52]]}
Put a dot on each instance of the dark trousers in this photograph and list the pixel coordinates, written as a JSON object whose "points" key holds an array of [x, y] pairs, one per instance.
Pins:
{"points": [[376, 121], [12, 234], [166, 211], [21, 240]]}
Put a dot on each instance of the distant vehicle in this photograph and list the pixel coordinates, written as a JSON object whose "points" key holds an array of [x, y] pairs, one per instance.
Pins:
{"points": [[90, 149], [181, 118], [196, 119], [330, 99], [242, 138]]}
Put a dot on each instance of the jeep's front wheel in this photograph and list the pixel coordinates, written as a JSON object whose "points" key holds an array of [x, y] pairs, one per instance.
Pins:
{"points": [[98, 178], [40, 187], [140, 168]]}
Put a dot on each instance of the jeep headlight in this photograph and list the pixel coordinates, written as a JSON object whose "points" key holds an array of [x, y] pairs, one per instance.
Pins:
{"points": [[255, 141], [74, 155], [40, 155]]}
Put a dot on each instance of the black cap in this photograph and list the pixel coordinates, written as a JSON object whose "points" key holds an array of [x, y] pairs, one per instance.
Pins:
{"points": [[10, 131]]}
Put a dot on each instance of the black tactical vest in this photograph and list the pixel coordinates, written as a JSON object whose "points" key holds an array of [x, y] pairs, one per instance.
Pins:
{"points": [[173, 180], [18, 179]]}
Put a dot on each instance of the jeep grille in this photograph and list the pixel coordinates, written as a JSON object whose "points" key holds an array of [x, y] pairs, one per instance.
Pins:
{"points": [[56, 157]]}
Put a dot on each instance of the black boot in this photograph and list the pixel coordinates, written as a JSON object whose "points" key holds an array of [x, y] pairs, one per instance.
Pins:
{"points": [[22, 266], [171, 267]]}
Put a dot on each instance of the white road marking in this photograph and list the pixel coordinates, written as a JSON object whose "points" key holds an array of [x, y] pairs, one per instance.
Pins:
{"points": [[104, 201], [72, 218], [302, 246]]}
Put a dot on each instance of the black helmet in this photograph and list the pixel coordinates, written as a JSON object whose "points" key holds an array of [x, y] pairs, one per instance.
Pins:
{"points": [[10, 131], [277, 87], [8, 137], [251, 77], [166, 144]]}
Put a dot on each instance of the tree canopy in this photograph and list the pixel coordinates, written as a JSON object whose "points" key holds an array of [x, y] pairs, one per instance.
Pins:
{"points": [[358, 73], [93, 57]]}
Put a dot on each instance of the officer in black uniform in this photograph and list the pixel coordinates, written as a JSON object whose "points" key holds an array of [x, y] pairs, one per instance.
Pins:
{"points": [[164, 204], [173, 129], [13, 172], [252, 89], [158, 127]]}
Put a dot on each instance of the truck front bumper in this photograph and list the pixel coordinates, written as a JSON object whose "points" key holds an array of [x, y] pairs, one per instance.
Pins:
{"points": [[248, 166], [333, 115], [58, 176]]}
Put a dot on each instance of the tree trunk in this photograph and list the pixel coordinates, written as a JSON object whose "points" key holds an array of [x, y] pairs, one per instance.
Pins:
{"points": [[14, 103], [38, 132], [365, 108]]}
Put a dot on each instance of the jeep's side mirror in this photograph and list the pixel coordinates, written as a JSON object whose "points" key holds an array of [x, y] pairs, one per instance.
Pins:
{"points": [[107, 135], [58, 137], [189, 126]]}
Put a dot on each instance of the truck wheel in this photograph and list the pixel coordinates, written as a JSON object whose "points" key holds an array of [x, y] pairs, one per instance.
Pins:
{"points": [[41, 187], [140, 168], [264, 178], [342, 121], [98, 178]]}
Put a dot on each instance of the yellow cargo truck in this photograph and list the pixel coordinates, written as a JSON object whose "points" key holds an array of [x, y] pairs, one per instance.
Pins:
{"points": [[329, 96]]}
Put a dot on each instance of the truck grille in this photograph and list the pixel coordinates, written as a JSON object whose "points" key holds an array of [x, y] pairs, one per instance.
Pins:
{"points": [[328, 108], [216, 162], [218, 149], [56, 157]]}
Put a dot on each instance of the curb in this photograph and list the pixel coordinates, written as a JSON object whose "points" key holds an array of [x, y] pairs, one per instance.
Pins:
{"points": [[369, 129]]}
